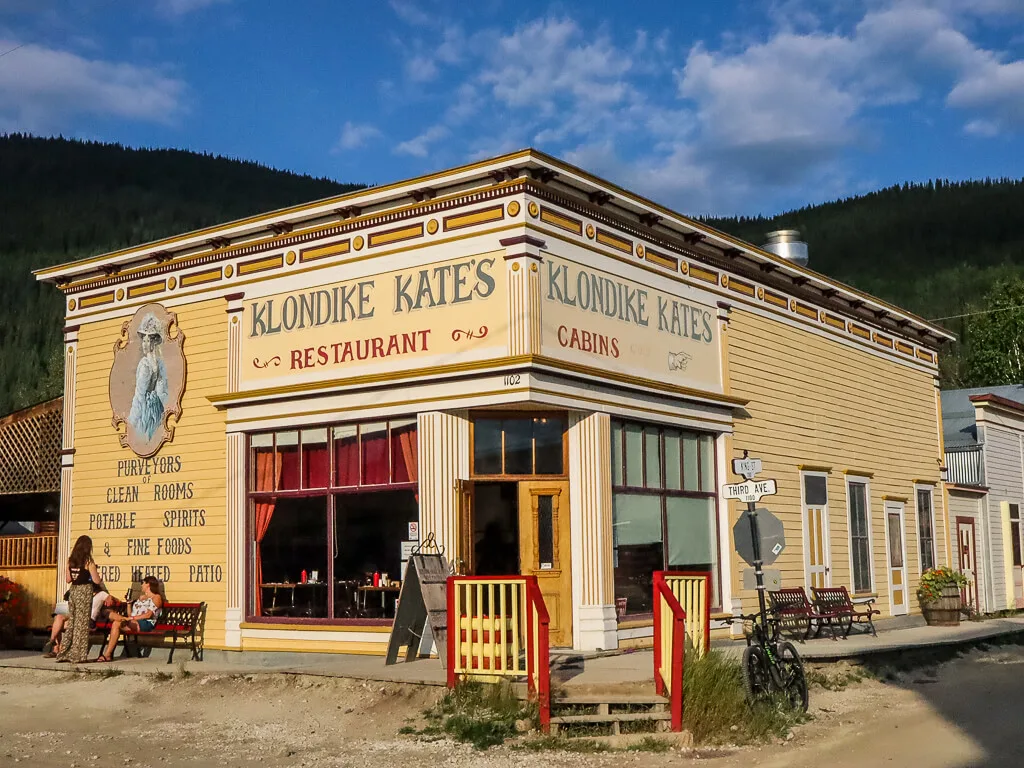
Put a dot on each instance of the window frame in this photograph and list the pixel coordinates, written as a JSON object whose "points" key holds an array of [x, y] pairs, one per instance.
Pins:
{"points": [[330, 491], [866, 483], [521, 415], [665, 493], [1016, 553], [918, 489]]}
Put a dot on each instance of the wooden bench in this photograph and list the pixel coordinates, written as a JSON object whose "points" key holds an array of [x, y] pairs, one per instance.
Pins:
{"points": [[790, 606], [177, 620], [837, 600]]}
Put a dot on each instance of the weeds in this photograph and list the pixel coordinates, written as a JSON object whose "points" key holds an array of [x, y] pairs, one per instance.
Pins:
{"points": [[716, 709], [834, 680], [109, 672], [163, 677], [479, 714], [561, 744]]}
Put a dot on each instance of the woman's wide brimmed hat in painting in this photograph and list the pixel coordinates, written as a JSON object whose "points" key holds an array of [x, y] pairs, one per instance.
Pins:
{"points": [[164, 379]]}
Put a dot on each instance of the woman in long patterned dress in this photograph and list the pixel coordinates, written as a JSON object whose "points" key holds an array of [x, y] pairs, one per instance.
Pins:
{"points": [[81, 574]]}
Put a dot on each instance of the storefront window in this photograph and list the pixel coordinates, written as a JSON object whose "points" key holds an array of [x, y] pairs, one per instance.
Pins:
{"points": [[329, 555], [664, 513], [527, 445]]}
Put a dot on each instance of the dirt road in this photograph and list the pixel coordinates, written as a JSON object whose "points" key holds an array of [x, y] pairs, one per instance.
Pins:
{"points": [[965, 714]]}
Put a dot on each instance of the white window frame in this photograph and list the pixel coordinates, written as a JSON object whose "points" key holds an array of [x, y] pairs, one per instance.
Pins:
{"points": [[827, 530], [866, 482], [917, 525]]}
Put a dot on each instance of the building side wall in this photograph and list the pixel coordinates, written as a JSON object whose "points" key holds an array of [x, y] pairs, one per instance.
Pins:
{"points": [[1004, 476], [970, 505], [118, 507], [824, 405]]}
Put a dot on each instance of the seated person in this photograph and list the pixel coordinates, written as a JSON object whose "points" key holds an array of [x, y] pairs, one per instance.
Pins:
{"points": [[102, 603], [145, 612]]}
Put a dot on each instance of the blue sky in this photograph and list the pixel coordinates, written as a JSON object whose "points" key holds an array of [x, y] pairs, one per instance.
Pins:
{"points": [[752, 106]]}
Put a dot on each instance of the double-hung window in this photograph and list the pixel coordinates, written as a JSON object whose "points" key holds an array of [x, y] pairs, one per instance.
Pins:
{"points": [[926, 528], [860, 534]]}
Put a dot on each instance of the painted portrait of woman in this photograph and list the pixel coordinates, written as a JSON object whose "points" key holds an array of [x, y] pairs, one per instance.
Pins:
{"points": [[150, 398], [147, 379]]}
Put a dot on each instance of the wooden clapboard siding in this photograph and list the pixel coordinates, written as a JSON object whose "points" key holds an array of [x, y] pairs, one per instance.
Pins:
{"points": [[199, 440], [1004, 477], [989, 563], [817, 402], [38, 584]]}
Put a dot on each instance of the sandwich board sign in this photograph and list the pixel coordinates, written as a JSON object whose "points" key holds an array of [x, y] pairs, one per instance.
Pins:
{"points": [[422, 607]]}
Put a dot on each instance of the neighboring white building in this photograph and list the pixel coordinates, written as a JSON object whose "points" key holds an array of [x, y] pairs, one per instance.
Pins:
{"points": [[983, 430]]}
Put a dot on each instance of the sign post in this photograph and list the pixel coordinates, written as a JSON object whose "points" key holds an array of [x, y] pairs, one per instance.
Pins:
{"points": [[752, 491]]}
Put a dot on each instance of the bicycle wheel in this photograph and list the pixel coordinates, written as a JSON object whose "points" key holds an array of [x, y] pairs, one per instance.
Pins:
{"points": [[756, 679], [794, 682]]}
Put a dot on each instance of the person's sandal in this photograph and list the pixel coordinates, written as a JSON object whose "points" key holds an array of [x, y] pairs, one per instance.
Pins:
{"points": [[50, 655], [102, 659]]}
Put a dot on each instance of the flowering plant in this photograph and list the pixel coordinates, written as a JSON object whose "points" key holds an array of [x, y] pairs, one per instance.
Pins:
{"points": [[935, 579], [12, 602]]}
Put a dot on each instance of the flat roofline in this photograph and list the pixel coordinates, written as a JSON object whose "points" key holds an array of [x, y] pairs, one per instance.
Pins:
{"points": [[997, 400], [567, 174]]}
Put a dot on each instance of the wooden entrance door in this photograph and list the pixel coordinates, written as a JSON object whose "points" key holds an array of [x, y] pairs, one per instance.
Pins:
{"points": [[816, 535], [967, 554], [544, 550], [897, 558]]}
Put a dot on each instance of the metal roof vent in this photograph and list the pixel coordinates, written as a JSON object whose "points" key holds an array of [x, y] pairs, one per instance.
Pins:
{"points": [[787, 244]]}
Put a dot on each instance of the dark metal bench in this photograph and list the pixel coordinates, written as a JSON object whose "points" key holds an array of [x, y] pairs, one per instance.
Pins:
{"points": [[791, 608], [177, 620], [837, 600]]}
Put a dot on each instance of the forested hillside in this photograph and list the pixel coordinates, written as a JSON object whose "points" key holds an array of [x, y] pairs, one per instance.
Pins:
{"points": [[934, 249], [63, 200]]}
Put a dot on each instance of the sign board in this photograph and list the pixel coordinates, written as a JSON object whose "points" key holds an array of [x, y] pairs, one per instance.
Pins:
{"points": [[772, 535], [422, 605], [748, 468], [408, 547], [772, 579], [414, 530], [750, 491]]}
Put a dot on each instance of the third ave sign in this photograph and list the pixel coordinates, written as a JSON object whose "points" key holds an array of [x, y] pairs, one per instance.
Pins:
{"points": [[750, 491]]}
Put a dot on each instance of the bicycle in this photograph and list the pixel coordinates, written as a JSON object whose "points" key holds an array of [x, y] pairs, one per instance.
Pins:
{"points": [[770, 666]]}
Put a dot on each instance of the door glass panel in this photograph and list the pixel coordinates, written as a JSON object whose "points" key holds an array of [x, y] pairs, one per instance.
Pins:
{"points": [[487, 446], [815, 491], [652, 457], [895, 541], [518, 446], [673, 456], [545, 532]]}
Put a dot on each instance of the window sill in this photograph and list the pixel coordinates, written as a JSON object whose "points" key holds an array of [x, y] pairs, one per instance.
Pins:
{"points": [[320, 625]]}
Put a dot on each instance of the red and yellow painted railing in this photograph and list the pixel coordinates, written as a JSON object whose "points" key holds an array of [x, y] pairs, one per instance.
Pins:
{"points": [[669, 636], [498, 627], [31, 562], [693, 591]]}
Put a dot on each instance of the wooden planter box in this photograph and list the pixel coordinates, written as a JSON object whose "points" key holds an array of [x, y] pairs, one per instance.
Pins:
{"points": [[944, 612]]}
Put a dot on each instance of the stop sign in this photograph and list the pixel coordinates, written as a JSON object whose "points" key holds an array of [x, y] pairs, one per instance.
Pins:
{"points": [[772, 535]]}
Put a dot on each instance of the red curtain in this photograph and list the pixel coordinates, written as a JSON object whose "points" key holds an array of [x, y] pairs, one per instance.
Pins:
{"points": [[375, 458], [316, 466], [268, 475], [346, 458], [407, 450]]}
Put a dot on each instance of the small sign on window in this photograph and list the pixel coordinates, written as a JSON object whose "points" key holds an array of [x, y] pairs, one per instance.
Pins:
{"points": [[545, 566], [414, 531]]}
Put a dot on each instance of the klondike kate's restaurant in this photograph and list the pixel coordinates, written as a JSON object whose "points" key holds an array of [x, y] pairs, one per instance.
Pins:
{"points": [[546, 373]]}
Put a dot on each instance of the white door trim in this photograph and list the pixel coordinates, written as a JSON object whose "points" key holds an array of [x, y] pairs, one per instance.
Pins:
{"points": [[897, 507]]}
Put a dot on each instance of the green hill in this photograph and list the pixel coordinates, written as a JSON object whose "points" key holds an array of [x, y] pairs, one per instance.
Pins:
{"points": [[62, 200], [933, 249]]}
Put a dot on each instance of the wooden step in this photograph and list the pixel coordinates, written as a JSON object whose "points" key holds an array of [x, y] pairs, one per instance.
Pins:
{"points": [[609, 698], [620, 717]]}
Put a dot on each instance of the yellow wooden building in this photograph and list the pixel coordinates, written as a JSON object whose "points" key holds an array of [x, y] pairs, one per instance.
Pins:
{"points": [[546, 372]]}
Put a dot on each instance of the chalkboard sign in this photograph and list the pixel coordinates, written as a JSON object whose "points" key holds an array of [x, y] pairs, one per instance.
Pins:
{"points": [[422, 605]]}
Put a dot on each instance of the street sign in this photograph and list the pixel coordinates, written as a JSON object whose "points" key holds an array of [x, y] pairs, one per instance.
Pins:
{"points": [[773, 537], [772, 579], [750, 491], [747, 468]]}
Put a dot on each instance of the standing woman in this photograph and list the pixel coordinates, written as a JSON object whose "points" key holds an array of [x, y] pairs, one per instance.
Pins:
{"points": [[81, 574]]}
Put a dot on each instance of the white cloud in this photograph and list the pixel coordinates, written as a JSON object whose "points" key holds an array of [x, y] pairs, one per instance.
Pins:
{"points": [[995, 90], [410, 13], [41, 88], [183, 7], [419, 146], [421, 69], [356, 135]]}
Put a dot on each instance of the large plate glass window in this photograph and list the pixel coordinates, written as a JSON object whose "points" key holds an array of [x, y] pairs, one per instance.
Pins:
{"points": [[333, 502], [664, 511]]}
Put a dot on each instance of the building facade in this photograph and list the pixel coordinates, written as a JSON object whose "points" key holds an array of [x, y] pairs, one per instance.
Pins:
{"points": [[544, 372], [984, 439]]}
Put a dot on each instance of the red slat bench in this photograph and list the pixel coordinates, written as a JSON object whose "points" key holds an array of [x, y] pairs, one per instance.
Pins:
{"points": [[791, 606], [177, 620], [837, 600]]}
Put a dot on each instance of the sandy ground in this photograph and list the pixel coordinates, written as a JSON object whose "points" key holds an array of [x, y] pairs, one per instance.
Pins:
{"points": [[966, 713]]}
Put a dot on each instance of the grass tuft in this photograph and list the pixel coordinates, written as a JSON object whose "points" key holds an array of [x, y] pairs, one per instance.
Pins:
{"points": [[716, 710], [480, 714]]}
